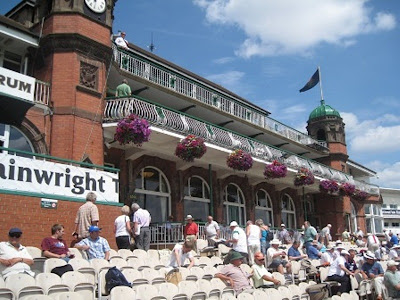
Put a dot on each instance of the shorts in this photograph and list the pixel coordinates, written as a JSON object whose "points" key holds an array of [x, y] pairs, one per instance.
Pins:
{"points": [[277, 262]]}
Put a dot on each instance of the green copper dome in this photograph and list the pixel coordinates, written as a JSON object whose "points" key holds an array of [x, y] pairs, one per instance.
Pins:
{"points": [[322, 111]]}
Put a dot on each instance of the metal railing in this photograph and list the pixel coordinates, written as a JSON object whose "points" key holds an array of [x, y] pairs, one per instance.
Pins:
{"points": [[159, 116], [189, 87], [42, 92]]}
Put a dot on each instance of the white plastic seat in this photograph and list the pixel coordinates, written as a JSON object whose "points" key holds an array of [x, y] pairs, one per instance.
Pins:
{"points": [[146, 291], [228, 297], [204, 261], [52, 263], [69, 296], [99, 264], [216, 260], [79, 283], [245, 296], [118, 262], [223, 250], [122, 292], [38, 297], [125, 253], [336, 297], [153, 276], [217, 283], [195, 273], [76, 252], [114, 253], [153, 254], [201, 244], [273, 294], [285, 292], [139, 253], [246, 268], [205, 286], [279, 277], [23, 285], [259, 294], [35, 252], [187, 287], [51, 284], [209, 272], [132, 274], [168, 290]]}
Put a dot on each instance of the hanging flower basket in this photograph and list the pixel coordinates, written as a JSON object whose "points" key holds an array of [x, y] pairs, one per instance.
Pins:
{"points": [[328, 186], [190, 148], [275, 170], [132, 129], [347, 189], [239, 160], [360, 195], [303, 177]]}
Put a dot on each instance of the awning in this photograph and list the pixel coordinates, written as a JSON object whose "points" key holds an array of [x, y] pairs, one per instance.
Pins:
{"points": [[13, 110]]}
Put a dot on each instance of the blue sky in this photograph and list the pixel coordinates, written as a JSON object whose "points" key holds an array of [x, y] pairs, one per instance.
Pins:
{"points": [[266, 50]]}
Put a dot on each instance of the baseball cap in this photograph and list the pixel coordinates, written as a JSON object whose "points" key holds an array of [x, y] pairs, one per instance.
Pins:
{"points": [[15, 230], [233, 223], [94, 229], [283, 225], [392, 263], [188, 217]]}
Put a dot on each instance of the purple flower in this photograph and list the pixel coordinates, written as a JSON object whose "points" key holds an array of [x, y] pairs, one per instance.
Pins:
{"points": [[132, 129], [190, 148], [329, 186], [239, 160], [303, 177], [360, 195], [275, 170], [347, 189]]}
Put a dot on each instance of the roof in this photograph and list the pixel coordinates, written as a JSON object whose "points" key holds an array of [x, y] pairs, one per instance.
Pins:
{"points": [[322, 111]]}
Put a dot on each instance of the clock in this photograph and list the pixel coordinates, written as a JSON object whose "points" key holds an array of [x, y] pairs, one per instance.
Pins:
{"points": [[97, 6]]}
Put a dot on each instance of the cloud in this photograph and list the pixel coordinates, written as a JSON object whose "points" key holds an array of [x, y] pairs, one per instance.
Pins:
{"points": [[223, 60], [230, 79], [388, 175], [295, 27]]}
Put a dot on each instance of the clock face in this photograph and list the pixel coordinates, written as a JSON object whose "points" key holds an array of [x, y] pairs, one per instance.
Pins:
{"points": [[97, 6]]}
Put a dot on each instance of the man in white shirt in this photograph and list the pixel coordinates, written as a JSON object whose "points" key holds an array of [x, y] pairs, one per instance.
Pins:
{"points": [[327, 256], [325, 235], [394, 253], [121, 41], [253, 233], [239, 242], [359, 232], [338, 272], [13, 256], [261, 277], [211, 229], [372, 242], [179, 254], [141, 222], [275, 258]]}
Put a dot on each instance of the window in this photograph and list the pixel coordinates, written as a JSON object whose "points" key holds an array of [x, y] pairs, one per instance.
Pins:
{"points": [[353, 219], [12, 137], [153, 193], [234, 204], [393, 206], [197, 198], [264, 207], [12, 61], [288, 211], [396, 224], [373, 218]]}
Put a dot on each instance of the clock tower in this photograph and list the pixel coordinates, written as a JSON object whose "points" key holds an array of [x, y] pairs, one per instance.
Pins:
{"points": [[75, 54]]}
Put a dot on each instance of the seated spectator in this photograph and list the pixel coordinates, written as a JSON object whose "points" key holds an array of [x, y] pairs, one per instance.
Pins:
{"points": [[381, 251], [339, 247], [338, 272], [393, 239], [13, 256], [275, 258], [327, 257], [54, 246], [94, 245], [313, 252], [371, 269], [180, 253], [351, 264], [392, 279], [394, 253], [360, 241], [238, 279], [294, 252], [261, 277]]}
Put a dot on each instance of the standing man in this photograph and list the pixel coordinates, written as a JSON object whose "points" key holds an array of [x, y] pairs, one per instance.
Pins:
{"points": [[141, 230], [87, 215], [191, 232], [253, 233], [123, 90], [310, 234], [325, 235], [211, 229], [14, 257], [121, 41], [359, 232], [282, 234], [95, 245], [239, 242], [55, 246], [372, 242]]}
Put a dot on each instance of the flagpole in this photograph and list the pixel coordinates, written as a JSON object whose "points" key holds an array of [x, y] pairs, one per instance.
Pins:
{"points": [[320, 83]]}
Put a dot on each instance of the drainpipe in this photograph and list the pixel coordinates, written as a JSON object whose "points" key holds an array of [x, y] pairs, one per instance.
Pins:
{"points": [[211, 190]]}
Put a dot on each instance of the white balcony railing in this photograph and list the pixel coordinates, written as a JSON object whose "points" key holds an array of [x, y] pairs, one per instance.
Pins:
{"points": [[196, 90], [42, 93], [117, 109]]}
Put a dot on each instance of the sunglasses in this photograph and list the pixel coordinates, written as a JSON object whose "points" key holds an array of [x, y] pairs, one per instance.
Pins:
{"points": [[15, 235], [260, 259]]}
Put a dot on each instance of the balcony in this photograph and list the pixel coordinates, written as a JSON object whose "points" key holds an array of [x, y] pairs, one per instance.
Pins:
{"points": [[181, 124], [218, 101]]}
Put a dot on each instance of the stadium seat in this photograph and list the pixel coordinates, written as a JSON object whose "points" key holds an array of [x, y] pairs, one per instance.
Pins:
{"points": [[122, 292]]}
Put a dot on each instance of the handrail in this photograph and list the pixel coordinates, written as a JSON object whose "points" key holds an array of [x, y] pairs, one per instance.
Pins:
{"points": [[182, 123], [42, 92], [173, 80]]}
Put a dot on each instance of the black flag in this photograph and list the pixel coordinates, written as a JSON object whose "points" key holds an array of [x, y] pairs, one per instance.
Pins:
{"points": [[312, 82]]}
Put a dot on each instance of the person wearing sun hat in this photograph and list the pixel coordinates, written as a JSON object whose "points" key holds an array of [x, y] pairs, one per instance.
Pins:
{"points": [[373, 270], [283, 234], [238, 279], [95, 245], [327, 257], [339, 273], [394, 253], [392, 279], [14, 258], [276, 258], [239, 242], [191, 232]]}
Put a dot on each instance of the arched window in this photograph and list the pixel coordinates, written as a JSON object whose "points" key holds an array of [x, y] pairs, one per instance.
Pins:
{"points": [[234, 204], [288, 211], [264, 207], [373, 218], [12, 137], [197, 198], [321, 135], [153, 193], [353, 218]]}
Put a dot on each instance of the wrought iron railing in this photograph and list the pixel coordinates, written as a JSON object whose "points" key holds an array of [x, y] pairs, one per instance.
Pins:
{"points": [[159, 116], [189, 87]]}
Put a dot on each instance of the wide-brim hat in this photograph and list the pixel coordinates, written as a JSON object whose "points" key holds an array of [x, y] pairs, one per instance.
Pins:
{"points": [[189, 217], [236, 255], [344, 252], [392, 263], [395, 246], [369, 255], [283, 225], [275, 242]]}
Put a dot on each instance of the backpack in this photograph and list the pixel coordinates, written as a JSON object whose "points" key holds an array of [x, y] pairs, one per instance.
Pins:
{"points": [[62, 269], [310, 269], [270, 235], [114, 277], [318, 291]]}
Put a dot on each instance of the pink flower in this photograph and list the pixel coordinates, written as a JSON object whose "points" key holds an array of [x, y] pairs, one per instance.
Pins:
{"points": [[239, 160], [132, 129], [190, 148], [303, 177], [275, 170]]}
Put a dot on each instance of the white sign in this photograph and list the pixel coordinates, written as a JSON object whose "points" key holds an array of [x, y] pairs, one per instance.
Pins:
{"points": [[17, 84], [49, 178]]}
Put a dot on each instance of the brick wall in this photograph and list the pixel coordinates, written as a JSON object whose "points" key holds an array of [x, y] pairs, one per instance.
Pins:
{"points": [[35, 222]]}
